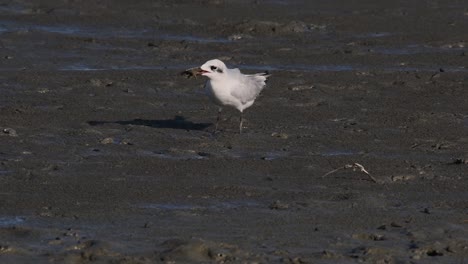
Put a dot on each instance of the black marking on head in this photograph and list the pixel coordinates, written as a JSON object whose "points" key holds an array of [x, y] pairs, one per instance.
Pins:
{"points": [[214, 68]]}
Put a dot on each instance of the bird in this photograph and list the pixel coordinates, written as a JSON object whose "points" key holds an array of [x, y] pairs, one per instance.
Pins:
{"points": [[229, 87]]}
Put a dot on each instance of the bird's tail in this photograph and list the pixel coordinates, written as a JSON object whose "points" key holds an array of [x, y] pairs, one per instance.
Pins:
{"points": [[263, 76], [266, 74]]}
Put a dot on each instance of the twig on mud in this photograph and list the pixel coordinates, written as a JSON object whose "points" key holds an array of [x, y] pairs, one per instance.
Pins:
{"points": [[333, 171], [355, 167]]}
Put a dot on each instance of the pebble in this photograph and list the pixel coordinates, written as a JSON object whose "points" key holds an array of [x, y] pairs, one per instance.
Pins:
{"points": [[301, 87], [236, 37], [461, 161], [126, 142], [280, 135], [43, 90], [406, 177], [278, 205], [108, 140], [101, 83], [10, 131]]}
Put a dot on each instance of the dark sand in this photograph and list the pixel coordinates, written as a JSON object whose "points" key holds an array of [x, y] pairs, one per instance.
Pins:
{"points": [[107, 154]]}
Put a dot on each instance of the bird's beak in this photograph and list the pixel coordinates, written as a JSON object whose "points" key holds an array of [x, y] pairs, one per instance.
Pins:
{"points": [[193, 72]]}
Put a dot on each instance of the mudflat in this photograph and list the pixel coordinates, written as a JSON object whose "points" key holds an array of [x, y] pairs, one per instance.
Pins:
{"points": [[356, 151]]}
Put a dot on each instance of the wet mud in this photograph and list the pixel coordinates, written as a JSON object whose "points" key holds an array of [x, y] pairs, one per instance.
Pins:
{"points": [[356, 151]]}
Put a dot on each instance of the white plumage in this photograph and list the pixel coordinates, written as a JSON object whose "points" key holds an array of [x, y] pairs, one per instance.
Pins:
{"points": [[229, 87]]}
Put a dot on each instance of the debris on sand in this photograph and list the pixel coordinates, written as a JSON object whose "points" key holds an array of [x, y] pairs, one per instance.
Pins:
{"points": [[460, 161], [278, 205], [198, 250], [10, 132], [355, 167]]}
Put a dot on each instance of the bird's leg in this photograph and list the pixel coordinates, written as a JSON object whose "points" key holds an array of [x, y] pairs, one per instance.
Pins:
{"points": [[218, 118], [240, 123]]}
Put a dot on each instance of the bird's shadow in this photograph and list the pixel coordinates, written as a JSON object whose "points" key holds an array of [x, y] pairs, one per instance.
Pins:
{"points": [[178, 122]]}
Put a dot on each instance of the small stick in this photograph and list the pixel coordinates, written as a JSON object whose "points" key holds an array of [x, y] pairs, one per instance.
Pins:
{"points": [[333, 171], [355, 166]]}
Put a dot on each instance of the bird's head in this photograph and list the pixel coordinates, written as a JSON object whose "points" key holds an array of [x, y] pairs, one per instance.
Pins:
{"points": [[213, 69]]}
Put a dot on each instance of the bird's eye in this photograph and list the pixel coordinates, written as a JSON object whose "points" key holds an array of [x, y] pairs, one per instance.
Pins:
{"points": [[213, 68]]}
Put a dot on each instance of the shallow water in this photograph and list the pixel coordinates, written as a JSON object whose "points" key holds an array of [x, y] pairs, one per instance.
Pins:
{"points": [[136, 59], [343, 68], [103, 32], [85, 67], [174, 155], [272, 68], [87, 58], [209, 205], [332, 153], [415, 49], [6, 221]]}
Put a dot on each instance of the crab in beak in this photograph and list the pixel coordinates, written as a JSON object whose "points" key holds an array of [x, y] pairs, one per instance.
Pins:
{"points": [[193, 72]]}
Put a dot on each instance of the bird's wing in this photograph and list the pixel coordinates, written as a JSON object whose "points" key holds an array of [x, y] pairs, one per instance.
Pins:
{"points": [[234, 72], [261, 76], [249, 87]]}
